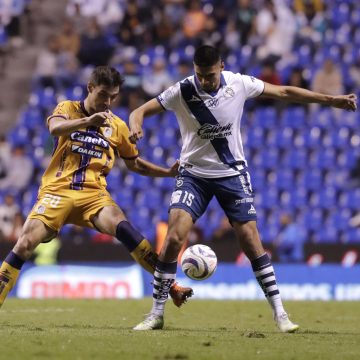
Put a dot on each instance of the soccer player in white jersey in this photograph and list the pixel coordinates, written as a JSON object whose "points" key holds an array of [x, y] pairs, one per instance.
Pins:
{"points": [[208, 107]]}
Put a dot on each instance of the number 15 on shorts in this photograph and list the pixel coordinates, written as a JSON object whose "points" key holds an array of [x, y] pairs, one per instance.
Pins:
{"points": [[182, 196]]}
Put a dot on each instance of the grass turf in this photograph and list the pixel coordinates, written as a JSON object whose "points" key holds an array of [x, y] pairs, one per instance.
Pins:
{"points": [[101, 329]]}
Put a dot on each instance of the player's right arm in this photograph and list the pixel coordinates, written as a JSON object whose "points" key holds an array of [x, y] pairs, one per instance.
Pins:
{"points": [[60, 125], [136, 118]]}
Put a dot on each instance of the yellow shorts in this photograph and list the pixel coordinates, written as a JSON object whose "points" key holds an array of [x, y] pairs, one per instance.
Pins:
{"points": [[66, 206]]}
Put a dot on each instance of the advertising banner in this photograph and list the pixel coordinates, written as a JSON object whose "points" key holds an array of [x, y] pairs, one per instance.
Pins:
{"points": [[91, 282], [296, 282]]}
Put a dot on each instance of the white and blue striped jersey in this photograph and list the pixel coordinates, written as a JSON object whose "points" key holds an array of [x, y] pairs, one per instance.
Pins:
{"points": [[210, 123]]}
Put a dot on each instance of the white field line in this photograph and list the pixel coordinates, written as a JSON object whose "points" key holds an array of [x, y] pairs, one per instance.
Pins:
{"points": [[35, 311]]}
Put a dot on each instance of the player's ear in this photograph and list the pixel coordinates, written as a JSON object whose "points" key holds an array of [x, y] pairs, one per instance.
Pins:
{"points": [[90, 87], [222, 65]]}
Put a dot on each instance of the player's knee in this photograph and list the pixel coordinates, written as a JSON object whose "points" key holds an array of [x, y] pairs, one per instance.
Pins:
{"points": [[25, 246], [246, 231], [174, 241]]}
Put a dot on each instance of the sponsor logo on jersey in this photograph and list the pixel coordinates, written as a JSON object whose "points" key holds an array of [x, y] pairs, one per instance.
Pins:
{"points": [[87, 138], [83, 151], [244, 201], [252, 210], [210, 131]]}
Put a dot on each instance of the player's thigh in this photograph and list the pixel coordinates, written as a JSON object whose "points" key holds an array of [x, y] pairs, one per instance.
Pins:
{"points": [[180, 224], [236, 197], [89, 205], [52, 208], [108, 218], [191, 194], [33, 233]]}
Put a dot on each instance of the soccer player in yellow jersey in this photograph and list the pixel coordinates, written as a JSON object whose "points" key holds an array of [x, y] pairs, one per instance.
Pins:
{"points": [[88, 136]]}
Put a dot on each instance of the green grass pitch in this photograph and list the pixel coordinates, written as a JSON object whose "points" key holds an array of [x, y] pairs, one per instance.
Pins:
{"points": [[101, 329]]}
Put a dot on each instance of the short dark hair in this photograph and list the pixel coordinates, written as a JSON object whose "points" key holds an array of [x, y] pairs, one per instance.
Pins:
{"points": [[106, 75], [206, 55]]}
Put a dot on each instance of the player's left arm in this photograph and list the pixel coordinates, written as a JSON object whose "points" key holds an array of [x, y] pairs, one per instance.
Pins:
{"points": [[147, 168], [300, 95]]}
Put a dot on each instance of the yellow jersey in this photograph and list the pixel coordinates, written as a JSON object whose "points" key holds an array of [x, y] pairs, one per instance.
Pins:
{"points": [[81, 160]]}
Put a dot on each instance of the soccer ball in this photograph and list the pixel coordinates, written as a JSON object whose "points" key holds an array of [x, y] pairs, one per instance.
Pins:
{"points": [[198, 262]]}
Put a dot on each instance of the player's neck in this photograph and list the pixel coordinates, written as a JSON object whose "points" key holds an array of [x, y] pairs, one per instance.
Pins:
{"points": [[87, 107]]}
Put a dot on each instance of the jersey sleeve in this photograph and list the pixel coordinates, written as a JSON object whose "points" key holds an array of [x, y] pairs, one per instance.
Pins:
{"points": [[253, 86], [62, 111], [168, 99], [125, 148]]}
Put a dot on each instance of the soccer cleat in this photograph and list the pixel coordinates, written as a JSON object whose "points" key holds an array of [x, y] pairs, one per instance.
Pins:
{"points": [[180, 294], [151, 322], [284, 324]]}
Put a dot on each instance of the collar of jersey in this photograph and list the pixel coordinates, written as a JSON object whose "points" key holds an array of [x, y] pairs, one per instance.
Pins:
{"points": [[212, 93], [82, 105]]}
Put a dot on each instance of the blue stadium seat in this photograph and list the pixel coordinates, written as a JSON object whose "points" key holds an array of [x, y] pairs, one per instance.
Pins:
{"points": [[32, 118], [327, 234], [295, 159], [347, 158], [284, 138], [255, 137], [299, 197], [19, 136], [326, 198], [339, 219], [269, 159], [150, 199], [268, 199], [75, 93], [167, 184], [152, 122], [168, 137], [114, 179], [294, 117], [312, 179], [169, 120], [265, 117], [352, 235], [312, 219], [323, 159], [257, 178], [285, 179], [350, 199], [313, 138]]}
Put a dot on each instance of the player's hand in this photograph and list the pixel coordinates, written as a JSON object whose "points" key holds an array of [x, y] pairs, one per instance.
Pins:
{"points": [[346, 102], [99, 119], [174, 169], [136, 133]]}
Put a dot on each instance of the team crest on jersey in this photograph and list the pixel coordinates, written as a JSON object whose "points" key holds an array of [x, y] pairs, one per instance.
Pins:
{"points": [[179, 182], [229, 92], [108, 132], [40, 209], [84, 151]]}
